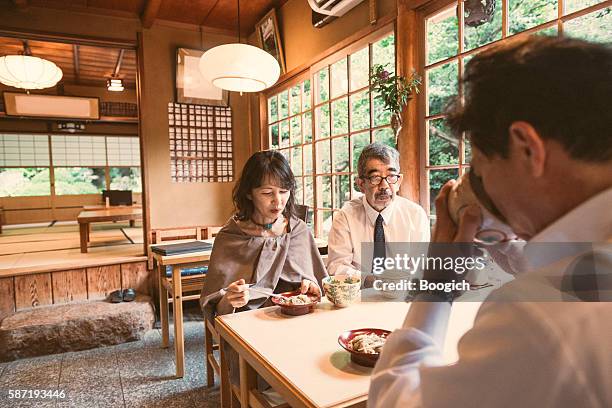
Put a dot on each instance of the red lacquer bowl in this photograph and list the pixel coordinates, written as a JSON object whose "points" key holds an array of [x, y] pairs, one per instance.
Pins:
{"points": [[296, 310], [364, 359]]}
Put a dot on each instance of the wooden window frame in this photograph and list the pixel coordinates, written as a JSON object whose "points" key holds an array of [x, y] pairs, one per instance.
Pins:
{"points": [[421, 11], [362, 39]]}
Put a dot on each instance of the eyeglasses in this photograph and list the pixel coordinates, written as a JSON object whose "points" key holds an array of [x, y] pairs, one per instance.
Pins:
{"points": [[376, 180]]}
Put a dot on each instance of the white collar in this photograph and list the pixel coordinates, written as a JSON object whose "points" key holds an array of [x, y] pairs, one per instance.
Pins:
{"points": [[590, 221], [372, 214]]}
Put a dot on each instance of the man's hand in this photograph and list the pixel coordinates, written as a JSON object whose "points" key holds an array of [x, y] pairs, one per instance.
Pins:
{"points": [[445, 230], [238, 293], [309, 286]]}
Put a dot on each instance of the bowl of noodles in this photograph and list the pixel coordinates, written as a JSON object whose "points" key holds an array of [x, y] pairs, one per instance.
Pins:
{"points": [[364, 345], [296, 304]]}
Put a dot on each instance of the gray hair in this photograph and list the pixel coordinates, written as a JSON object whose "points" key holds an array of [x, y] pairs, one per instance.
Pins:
{"points": [[378, 151]]}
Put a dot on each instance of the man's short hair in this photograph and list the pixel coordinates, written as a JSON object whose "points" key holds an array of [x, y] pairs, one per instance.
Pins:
{"points": [[561, 86], [378, 151]]}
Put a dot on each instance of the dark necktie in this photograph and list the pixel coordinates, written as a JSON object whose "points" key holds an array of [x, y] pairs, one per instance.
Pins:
{"points": [[379, 238]]}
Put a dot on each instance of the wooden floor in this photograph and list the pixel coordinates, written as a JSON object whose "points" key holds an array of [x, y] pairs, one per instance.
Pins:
{"points": [[55, 246]]}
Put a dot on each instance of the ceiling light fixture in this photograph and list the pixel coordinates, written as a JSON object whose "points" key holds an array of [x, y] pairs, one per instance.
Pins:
{"points": [[239, 67], [114, 85], [28, 72], [71, 127]]}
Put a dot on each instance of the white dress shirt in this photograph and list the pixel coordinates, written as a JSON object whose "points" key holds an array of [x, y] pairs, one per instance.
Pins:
{"points": [[403, 221], [518, 353]]}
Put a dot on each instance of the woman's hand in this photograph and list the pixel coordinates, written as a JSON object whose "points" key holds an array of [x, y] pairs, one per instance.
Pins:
{"points": [[309, 286], [238, 293]]}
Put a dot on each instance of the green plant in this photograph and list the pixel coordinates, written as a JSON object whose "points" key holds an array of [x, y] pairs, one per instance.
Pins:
{"points": [[394, 91]]}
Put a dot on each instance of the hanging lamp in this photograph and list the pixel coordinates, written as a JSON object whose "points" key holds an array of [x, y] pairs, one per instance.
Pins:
{"points": [[28, 72], [239, 67]]}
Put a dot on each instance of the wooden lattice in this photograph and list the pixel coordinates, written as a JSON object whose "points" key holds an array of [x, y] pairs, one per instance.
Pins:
{"points": [[200, 143]]}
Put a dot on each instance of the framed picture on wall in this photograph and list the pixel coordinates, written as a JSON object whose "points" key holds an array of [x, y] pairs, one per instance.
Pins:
{"points": [[191, 87], [269, 37]]}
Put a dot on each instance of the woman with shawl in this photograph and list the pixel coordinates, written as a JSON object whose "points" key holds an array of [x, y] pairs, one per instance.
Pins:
{"points": [[263, 244]]}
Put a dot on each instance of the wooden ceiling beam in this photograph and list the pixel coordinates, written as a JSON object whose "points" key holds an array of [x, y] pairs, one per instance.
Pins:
{"points": [[118, 64], [75, 60], [21, 4], [210, 10], [150, 13]]}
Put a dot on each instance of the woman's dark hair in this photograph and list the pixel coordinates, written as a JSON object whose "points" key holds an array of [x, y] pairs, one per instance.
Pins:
{"points": [[561, 86], [269, 164]]}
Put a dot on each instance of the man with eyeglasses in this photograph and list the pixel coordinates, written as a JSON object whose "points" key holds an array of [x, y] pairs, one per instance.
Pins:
{"points": [[379, 216]]}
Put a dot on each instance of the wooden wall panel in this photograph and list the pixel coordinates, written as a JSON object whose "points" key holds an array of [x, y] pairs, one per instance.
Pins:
{"points": [[103, 280], [135, 275], [7, 296], [33, 290], [69, 286]]}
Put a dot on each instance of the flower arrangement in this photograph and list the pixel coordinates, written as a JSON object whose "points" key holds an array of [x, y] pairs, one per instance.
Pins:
{"points": [[394, 91]]}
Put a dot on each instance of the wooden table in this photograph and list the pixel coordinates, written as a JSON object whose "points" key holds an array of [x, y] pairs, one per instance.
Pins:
{"points": [[300, 356], [85, 218], [175, 287], [95, 207]]}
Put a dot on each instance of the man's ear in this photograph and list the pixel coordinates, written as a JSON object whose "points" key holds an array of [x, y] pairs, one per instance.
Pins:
{"points": [[360, 183], [527, 145]]}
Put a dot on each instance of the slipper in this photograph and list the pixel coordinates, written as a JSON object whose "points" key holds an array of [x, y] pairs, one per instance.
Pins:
{"points": [[129, 295], [116, 296]]}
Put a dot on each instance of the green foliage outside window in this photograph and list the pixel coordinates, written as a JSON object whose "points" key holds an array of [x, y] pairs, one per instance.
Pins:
{"points": [[79, 180], [24, 182], [125, 178]]}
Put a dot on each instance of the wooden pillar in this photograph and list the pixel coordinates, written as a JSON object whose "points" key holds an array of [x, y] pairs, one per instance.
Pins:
{"points": [[407, 52]]}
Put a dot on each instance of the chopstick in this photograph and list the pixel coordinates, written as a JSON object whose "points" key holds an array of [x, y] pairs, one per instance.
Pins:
{"points": [[254, 289]]}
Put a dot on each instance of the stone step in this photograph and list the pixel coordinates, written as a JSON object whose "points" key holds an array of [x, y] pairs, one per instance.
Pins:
{"points": [[74, 326]]}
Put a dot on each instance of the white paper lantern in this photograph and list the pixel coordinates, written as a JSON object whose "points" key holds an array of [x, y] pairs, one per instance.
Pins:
{"points": [[28, 72], [239, 67]]}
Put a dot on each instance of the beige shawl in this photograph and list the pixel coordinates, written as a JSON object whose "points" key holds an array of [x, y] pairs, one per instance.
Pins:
{"points": [[263, 261]]}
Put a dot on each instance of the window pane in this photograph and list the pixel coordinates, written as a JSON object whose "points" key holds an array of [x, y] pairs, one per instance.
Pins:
{"points": [[575, 5], [26, 151], [324, 190], [437, 178], [340, 153], [358, 142], [482, 25], [360, 111], [381, 115], [441, 85], [79, 180], [383, 53], [308, 192], [306, 95], [385, 136], [442, 35], [299, 191], [294, 95], [285, 152], [273, 109], [296, 161], [322, 85], [307, 126], [274, 142], [596, 26], [339, 78], [340, 116], [443, 148], [467, 150], [527, 14], [125, 178], [21, 182], [284, 133], [360, 69], [342, 190], [322, 119], [283, 98], [323, 157], [325, 222], [296, 130], [307, 159]]}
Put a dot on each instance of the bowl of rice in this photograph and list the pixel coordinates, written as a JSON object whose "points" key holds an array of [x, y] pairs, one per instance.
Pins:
{"points": [[294, 303], [364, 345]]}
